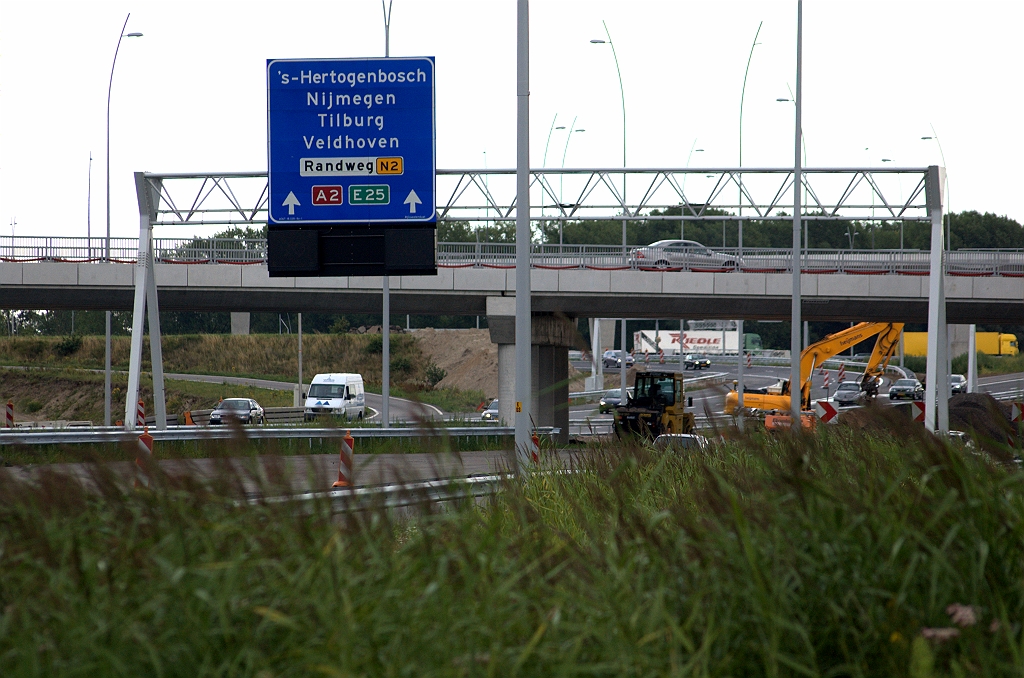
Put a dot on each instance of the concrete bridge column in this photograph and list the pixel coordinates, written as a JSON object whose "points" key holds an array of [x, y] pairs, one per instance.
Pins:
{"points": [[552, 336], [239, 323]]}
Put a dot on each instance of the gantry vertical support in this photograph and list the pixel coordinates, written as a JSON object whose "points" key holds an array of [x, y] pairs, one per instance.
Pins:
{"points": [[936, 403], [148, 193]]}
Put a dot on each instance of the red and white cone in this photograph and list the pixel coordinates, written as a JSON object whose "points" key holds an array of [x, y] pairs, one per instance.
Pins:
{"points": [[143, 457], [346, 477], [750, 361], [661, 356], [140, 415], [841, 377], [9, 419], [535, 448], [647, 358]]}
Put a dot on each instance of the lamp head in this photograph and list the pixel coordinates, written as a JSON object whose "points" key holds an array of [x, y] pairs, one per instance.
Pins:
{"points": [[924, 138], [782, 99], [886, 159], [597, 42], [133, 35], [698, 150], [580, 129], [560, 127]]}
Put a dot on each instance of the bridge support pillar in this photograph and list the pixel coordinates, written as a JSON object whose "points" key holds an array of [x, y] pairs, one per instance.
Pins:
{"points": [[239, 323], [552, 336]]}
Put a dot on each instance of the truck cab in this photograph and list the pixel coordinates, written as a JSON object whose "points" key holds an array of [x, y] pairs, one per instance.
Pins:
{"points": [[656, 406]]}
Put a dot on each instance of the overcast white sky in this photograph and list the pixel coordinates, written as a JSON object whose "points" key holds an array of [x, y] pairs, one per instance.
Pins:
{"points": [[190, 96]]}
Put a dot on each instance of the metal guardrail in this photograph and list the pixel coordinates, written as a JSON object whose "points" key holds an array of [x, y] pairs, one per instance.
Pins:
{"points": [[975, 262], [395, 495], [111, 435]]}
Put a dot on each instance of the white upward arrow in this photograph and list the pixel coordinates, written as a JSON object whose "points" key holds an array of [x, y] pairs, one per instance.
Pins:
{"points": [[290, 202], [412, 200]]}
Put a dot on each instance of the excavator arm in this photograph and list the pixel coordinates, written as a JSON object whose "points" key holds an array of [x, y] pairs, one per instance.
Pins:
{"points": [[885, 346], [817, 353]]}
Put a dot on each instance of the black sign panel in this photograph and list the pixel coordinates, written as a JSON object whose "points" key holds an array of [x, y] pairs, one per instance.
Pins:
{"points": [[346, 251]]}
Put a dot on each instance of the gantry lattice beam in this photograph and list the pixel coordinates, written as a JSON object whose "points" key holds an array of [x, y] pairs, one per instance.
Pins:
{"points": [[862, 194]]}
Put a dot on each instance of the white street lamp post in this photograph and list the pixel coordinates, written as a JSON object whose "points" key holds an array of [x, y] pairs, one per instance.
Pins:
{"points": [[935, 137], [622, 95], [106, 249]]}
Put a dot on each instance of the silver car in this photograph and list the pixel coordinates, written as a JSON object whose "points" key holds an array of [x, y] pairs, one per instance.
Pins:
{"points": [[849, 393], [681, 254]]}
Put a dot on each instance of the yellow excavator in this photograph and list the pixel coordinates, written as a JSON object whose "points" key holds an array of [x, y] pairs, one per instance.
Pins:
{"points": [[812, 358]]}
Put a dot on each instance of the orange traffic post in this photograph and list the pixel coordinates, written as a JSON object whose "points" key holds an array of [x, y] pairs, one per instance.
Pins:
{"points": [[535, 449], [9, 420], [143, 458], [140, 415], [345, 467]]}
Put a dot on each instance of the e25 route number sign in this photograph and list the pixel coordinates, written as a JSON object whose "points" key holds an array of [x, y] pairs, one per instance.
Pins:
{"points": [[350, 141]]}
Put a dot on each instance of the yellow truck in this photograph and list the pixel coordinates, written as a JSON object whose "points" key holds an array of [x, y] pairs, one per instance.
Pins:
{"points": [[991, 343]]}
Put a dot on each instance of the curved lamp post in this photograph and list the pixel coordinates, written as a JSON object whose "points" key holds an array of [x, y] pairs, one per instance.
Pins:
{"points": [[561, 177], [949, 223], [622, 94], [682, 222], [106, 248], [743, 96], [739, 240]]}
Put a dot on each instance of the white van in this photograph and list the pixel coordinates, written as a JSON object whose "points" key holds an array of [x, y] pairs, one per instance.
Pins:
{"points": [[339, 394]]}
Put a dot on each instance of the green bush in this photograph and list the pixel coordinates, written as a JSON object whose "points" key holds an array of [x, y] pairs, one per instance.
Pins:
{"points": [[435, 374], [401, 365], [374, 345], [68, 345]]}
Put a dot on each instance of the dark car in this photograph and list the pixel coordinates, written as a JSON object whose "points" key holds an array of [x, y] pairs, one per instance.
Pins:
{"points": [[613, 358], [242, 410], [612, 399], [849, 393], [906, 389], [958, 383], [491, 413], [695, 361]]}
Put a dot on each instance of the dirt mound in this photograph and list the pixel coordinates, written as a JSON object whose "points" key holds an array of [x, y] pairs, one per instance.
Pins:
{"points": [[981, 414], [471, 360], [468, 357]]}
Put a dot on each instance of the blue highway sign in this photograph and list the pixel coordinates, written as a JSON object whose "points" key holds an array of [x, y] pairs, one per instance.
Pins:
{"points": [[350, 141]]}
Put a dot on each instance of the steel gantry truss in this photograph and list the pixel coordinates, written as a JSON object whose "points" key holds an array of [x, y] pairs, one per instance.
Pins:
{"points": [[863, 194]]}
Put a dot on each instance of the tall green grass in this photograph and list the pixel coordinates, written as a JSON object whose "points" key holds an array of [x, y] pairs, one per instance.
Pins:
{"points": [[823, 556]]}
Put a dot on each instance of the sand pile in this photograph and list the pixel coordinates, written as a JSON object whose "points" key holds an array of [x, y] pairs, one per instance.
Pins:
{"points": [[468, 356]]}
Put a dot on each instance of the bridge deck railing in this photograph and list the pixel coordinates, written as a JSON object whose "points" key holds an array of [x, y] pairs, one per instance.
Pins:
{"points": [[965, 262]]}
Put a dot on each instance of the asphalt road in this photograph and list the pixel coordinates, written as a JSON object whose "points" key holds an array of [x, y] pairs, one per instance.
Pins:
{"points": [[712, 399], [303, 473], [400, 408]]}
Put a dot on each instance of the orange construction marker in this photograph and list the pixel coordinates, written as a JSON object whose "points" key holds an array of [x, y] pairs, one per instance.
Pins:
{"points": [[345, 467]]}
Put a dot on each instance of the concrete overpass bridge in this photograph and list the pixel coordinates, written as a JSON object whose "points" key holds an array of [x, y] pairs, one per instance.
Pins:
{"points": [[975, 287], [576, 280]]}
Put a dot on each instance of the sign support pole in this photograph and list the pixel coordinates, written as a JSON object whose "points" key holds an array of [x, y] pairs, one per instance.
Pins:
{"points": [[935, 387], [795, 393], [385, 371], [972, 360], [145, 294], [524, 329]]}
